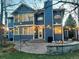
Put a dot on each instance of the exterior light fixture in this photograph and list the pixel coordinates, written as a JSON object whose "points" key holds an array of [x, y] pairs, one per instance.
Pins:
{"points": [[73, 28], [49, 26]]}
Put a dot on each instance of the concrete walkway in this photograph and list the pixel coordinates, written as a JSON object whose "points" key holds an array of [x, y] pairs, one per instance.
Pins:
{"points": [[37, 48]]}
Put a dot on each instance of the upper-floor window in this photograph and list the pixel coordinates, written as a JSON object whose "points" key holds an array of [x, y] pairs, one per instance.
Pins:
{"points": [[40, 18], [9, 21], [24, 17], [29, 17], [21, 17], [16, 18]]}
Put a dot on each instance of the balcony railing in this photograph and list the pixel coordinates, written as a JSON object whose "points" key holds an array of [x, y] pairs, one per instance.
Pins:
{"points": [[23, 22]]}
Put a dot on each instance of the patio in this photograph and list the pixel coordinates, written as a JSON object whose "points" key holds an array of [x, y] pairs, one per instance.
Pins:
{"points": [[47, 48]]}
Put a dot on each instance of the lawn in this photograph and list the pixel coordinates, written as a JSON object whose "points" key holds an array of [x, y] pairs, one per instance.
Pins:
{"points": [[22, 55], [9, 54]]}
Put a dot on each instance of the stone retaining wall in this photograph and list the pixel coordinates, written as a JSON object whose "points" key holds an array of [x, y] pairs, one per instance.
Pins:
{"points": [[62, 48]]}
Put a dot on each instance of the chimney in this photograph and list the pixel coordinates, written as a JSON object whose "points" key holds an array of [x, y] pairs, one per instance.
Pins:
{"points": [[48, 16], [48, 3]]}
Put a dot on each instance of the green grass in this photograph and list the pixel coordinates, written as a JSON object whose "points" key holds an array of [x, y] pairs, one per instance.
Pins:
{"points": [[22, 55], [7, 54]]}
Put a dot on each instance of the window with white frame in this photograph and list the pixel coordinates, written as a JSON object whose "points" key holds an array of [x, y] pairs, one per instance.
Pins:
{"points": [[9, 21], [20, 17], [28, 31], [40, 18], [29, 17], [16, 31], [21, 31], [16, 18], [24, 17]]}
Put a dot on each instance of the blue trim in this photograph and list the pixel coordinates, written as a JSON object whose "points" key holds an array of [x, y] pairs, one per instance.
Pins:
{"points": [[48, 19], [23, 37], [24, 23], [57, 37], [23, 8]]}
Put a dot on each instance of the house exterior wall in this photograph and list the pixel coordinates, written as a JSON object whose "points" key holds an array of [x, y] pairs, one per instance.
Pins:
{"points": [[10, 26], [39, 18], [23, 32], [60, 13], [58, 22], [21, 21], [27, 18], [48, 13], [23, 37], [44, 20]]}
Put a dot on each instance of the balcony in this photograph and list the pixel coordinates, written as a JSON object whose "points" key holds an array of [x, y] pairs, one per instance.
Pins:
{"points": [[23, 23], [39, 22]]}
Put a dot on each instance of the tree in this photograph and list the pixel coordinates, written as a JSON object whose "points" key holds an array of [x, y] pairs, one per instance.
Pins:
{"points": [[70, 22], [3, 31], [70, 26]]}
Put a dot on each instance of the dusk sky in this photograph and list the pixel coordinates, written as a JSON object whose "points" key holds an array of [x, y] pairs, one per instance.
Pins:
{"points": [[39, 4]]}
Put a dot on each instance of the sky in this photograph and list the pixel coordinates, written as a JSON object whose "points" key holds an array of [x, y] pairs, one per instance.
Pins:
{"points": [[40, 4]]}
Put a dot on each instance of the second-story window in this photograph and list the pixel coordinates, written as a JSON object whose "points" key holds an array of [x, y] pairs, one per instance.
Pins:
{"points": [[20, 18], [40, 18], [16, 18], [28, 17], [9, 21], [23, 17]]}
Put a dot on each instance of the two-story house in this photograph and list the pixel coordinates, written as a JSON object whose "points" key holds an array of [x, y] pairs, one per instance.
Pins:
{"points": [[23, 22], [30, 24]]}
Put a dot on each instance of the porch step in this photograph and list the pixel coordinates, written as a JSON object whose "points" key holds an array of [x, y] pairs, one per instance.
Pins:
{"points": [[38, 41]]}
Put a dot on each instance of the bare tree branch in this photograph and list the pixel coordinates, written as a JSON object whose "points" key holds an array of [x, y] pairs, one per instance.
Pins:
{"points": [[62, 5], [73, 3]]}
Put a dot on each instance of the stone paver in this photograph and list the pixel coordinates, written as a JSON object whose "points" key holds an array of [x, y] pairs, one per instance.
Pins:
{"points": [[38, 48], [41, 48]]}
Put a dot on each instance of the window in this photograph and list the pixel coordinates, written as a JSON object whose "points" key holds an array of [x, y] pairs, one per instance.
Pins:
{"points": [[16, 18], [16, 32], [20, 18], [40, 18], [23, 17], [26, 18], [21, 30], [9, 20], [28, 31], [30, 18]]}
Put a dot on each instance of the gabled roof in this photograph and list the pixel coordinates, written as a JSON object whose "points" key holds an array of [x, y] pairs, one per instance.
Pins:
{"points": [[23, 8], [41, 11]]}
